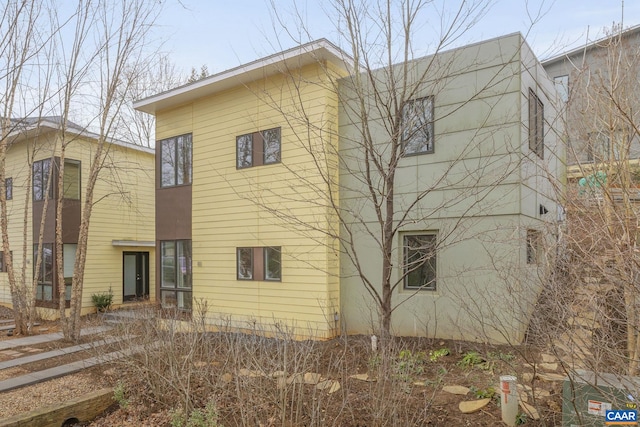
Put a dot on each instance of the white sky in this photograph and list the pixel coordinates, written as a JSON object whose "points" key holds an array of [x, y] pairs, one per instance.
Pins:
{"points": [[225, 33]]}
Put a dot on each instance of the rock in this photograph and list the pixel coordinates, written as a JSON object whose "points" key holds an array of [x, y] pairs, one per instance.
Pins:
{"points": [[548, 358], [550, 376], [456, 389], [530, 411], [420, 383], [226, 378], [10, 333], [362, 377], [548, 366], [541, 393], [200, 364], [112, 372], [523, 396], [249, 373], [472, 406], [334, 387], [311, 378], [278, 374], [43, 329], [295, 379], [527, 377]]}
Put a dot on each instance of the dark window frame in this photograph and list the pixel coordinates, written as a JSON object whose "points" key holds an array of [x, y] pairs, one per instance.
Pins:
{"points": [[8, 188], [536, 124], [259, 262], [253, 148], [3, 265], [412, 267], [181, 148], [534, 246], [42, 283], [177, 263], [408, 133], [39, 178]]}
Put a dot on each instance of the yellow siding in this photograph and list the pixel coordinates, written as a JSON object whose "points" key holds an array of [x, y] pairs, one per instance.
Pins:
{"points": [[231, 208], [123, 209]]}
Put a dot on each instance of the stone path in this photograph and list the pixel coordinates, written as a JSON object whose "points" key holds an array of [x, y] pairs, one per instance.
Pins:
{"points": [[59, 371], [39, 339]]}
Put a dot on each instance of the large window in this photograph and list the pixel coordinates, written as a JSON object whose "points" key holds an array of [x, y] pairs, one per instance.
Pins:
{"points": [[258, 148], [41, 170], [8, 188], [44, 289], [176, 161], [536, 124], [261, 263], [175, 274], [417, 126], [562, 86], [419, 252], [71, 181]]}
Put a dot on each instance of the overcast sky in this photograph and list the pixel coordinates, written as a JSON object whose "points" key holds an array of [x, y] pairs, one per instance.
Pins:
{"points": [[225, 33]]}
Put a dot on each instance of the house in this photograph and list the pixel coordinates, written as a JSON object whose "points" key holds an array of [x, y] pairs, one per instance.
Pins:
{"points": [[256, 182], [120, 253], [589, 78]]}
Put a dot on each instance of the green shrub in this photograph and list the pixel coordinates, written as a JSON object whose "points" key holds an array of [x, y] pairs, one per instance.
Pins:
{"points": [[119, 395], [103, 300]]}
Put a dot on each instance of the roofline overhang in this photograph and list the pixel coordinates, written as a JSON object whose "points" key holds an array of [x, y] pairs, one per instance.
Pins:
{"points": [[297, 57]]}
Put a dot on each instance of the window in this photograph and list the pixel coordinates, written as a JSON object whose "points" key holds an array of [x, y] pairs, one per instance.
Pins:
{"points": [[258, 148], [41, 185], [44, 289], [262, 263], [562, 86], [175, 274], [8, 188], [534, 246], [536, 124], [417, 126], [68, 262], [176, 161], [71, 180], [420, 261]]}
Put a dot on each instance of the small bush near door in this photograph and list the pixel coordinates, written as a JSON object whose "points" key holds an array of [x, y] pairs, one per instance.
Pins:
{"points": [[103, 300]]}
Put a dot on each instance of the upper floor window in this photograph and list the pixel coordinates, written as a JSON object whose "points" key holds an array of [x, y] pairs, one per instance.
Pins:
{"points": [[8, 188], [562, 86], [258, 148], [536, 124], [176, 161], [41, 171], [417, 126], [71, 180]]}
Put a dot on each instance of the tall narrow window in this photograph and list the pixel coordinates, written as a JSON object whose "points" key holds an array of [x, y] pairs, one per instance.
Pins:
{"points": [[420, 261], [44, 289], [417, 126], [41, 185], [176, 161], [71, 180], [536, 124], [3, 262], [272, 264], [175, 274], [8, 187], [562, 86], [68, 262], [245, 263]]}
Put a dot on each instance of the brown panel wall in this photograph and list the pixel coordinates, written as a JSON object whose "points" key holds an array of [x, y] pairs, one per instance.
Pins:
{"points": [[173, 213], [50, 223], [71, 213]]}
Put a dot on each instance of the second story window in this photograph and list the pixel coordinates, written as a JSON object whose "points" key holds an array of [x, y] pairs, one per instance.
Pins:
{"points": [[417, 126], [258, 148], [41, 170], [71, 181], [175, 161], [536, 124]]}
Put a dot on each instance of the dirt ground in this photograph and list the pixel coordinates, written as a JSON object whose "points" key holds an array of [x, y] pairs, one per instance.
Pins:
{"points": [[411, 393]]}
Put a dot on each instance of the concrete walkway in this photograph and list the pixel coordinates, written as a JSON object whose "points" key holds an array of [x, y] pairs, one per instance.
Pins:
{"points": [[19, 361], [39, 339], [62, 370]]}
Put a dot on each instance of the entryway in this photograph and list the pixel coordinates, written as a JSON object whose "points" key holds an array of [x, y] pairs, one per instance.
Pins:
{"points": [[135, 273]]}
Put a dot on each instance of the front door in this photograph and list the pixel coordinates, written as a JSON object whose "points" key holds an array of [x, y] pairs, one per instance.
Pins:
{"points": [[135, 273]]}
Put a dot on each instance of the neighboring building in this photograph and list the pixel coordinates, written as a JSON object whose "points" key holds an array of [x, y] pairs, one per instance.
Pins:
{"points": [[237, 225], [585, 78], [120, 253]]}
